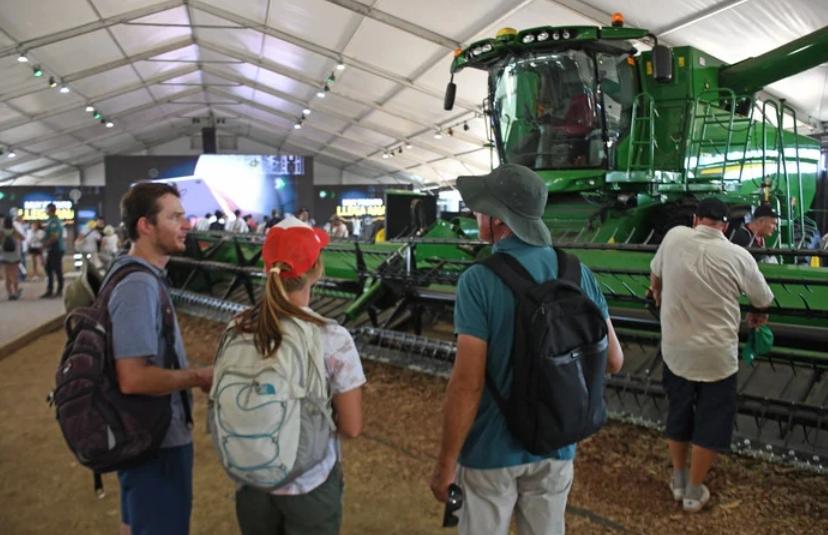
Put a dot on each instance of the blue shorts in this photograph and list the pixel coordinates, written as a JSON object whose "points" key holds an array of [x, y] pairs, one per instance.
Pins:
{"points": [[157, 496], [699, 412]]}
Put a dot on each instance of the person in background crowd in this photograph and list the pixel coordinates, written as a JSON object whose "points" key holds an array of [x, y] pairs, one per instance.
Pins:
{"points": [[305, 217], [311, 503], [275, 218], [697, 278], [156, 495], [218, 222], [10, 255], [89, 242], [55, 248], [338, 227], [762, 225], [204, 223], [237, 224], [35, 238], [109, 246], [23, 229], [252, 225]]}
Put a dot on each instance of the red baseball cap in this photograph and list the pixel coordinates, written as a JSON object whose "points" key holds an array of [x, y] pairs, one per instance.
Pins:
{"points": [[294, 243]]}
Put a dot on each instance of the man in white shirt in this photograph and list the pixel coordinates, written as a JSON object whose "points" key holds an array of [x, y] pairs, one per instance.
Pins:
{"points": [[697, 279], [237, 224]]}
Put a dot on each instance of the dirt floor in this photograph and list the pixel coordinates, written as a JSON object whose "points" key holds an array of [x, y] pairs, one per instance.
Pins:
{"points": [[620, 483]]}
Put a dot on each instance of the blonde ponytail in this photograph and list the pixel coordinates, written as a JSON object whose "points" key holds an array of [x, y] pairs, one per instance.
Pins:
{"points": [[263, 319]]}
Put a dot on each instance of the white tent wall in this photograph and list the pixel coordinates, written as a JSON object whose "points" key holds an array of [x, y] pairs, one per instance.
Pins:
{"points": [[158, 68]]}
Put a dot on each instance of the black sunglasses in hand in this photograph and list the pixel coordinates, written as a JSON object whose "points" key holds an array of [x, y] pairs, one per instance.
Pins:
{"points": [[453, 504]]}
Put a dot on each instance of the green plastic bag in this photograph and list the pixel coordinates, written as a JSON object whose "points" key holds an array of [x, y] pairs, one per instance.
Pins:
{"points": [[759, 342]]}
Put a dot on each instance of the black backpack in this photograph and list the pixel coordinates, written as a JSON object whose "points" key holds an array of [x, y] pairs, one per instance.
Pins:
{"points": [[558, 359], [9, 244], [105, 429]]}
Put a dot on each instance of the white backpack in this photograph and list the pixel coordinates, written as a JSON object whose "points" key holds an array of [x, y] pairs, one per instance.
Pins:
{"points": [[271, 417]]}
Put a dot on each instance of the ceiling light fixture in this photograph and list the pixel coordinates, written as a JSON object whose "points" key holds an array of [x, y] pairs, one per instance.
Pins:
{"points": [[64, 89], [450, 131], [110, 124], [37, 72], [320, 93], [90, 108], [384, 155], [340, 66], [399, 151], [465, 127], [438, 135], [306, 112], [408, 145], [52, 82], [11, 155], [22, 58], [97, 116]]}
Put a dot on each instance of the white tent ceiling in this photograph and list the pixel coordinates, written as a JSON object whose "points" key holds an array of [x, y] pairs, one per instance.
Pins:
{"points": [[152, 67]]}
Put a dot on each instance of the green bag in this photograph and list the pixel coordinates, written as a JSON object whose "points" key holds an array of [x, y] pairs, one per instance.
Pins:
{"points": [[759, 342]]}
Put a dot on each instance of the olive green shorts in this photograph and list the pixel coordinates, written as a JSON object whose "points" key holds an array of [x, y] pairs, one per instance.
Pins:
{"points": [[318, 512]]}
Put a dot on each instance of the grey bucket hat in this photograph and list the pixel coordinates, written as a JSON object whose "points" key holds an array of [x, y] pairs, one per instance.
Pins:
{"points": [[514, 194]]}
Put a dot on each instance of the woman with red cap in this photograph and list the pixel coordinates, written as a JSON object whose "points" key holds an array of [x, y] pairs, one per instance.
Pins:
{"points": [[312, 502]]}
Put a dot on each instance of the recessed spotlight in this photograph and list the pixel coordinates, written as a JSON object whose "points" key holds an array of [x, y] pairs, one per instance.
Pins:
{"points": [[297, 126], [306, 111], [110, 124], [64, 89], [438, 135], [408, 144], [320, 93], [340, 66], [22, 58], [384, 155], [90, 108], [11, 154]]}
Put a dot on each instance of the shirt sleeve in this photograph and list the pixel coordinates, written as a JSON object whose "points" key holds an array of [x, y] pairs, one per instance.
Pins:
{"points": [[589, 284], [470, 306], [755, 286], [342, 362], [133, 311], [656, 263]]}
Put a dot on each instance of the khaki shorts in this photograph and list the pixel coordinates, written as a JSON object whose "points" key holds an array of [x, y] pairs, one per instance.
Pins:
{"points": [[535, 492]]}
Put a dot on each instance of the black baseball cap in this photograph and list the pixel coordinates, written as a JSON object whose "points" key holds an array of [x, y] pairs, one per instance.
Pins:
{"points": [[764, 210], [712, 208]]}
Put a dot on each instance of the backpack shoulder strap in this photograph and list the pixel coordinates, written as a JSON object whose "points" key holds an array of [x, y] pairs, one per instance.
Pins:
{"points": [[569, 267], [167, 319], [511, 272]]}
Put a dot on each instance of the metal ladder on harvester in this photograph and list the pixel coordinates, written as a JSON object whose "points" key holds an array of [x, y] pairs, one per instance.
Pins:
{"points": [[708, 155]]}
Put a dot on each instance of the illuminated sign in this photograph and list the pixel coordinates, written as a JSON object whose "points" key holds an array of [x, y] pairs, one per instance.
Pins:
{"points": [[36, 210], [361, 207]]}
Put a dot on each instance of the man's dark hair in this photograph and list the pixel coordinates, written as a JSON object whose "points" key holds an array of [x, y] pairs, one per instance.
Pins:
{"points": [[207, 215], [142, 201], [237, 212], [51, 206]]}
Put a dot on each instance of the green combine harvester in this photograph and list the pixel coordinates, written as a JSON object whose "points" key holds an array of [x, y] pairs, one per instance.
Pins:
{"points": [[627, 142]]}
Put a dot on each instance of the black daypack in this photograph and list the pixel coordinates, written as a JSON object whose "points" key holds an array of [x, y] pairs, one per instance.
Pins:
{"points": [[558, 358], [105, 429], [9, 245]]}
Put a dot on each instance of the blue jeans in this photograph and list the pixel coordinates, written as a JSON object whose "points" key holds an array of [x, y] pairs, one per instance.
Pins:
{"points": [[157, 495]]}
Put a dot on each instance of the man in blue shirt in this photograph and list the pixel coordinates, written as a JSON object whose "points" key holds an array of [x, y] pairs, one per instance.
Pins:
{"points": [[156, 495], [54, 253], [496, 473]]}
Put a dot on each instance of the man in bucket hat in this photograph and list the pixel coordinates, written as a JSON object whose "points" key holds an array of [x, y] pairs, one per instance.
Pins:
{"points": [[495, 472], [697, 277]]}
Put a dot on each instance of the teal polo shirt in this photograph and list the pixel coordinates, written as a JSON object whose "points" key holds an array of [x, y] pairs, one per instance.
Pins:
{"points": [[485, 309]]}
